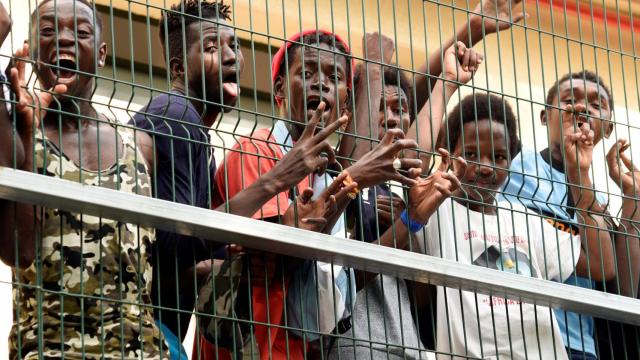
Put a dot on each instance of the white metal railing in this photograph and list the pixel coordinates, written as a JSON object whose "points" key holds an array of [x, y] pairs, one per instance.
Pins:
{"points": [[28, 187]]}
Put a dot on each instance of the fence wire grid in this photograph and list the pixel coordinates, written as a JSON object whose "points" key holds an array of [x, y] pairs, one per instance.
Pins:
{"points": [[484, 133]]}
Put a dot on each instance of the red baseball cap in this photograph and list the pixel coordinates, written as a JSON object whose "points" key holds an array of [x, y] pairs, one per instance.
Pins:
{"points": [[278, 58]]}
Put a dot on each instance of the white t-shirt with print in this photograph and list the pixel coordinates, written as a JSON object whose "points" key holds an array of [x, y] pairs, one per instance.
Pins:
{"points": [[517, 241]]}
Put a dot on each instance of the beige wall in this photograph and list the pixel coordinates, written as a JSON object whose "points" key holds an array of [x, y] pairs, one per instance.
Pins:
{"points": [[519, 51], [519, 62]]}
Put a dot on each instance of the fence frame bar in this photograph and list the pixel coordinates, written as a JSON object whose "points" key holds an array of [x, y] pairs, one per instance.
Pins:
{"points": [[17, 185]]}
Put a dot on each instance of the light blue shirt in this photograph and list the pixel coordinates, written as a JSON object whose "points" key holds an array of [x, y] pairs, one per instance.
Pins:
{"points": [[302, 297], [541, 188]]}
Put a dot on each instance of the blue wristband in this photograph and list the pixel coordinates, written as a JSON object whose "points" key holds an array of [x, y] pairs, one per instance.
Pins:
{"points": [[412, 225]]}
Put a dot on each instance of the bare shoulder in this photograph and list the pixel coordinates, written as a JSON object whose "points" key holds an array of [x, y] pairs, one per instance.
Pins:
{"points": [[144, 144]]}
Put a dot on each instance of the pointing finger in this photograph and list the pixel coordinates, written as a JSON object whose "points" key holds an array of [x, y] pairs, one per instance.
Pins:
{"points": [[310, 129], [331, 128], [392, 134], [460, 168], [405, 180], [333, 188], [445, 163], [414, 173]]}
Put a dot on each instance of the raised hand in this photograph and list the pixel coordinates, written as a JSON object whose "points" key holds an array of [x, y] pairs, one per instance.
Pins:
{"points": [[384, 204], [428, 194], [460, 63], [30, 107], [578, 143], [305, 156], [502, 10], [629, 181], [317, 215], [374, 42], [376, 166]]}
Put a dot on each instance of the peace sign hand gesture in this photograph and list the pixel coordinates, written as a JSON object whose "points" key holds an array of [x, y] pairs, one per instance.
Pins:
{"points": [[305, 156]]}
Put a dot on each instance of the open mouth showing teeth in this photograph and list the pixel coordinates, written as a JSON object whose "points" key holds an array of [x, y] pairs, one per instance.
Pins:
{"points": [[65, 68]]}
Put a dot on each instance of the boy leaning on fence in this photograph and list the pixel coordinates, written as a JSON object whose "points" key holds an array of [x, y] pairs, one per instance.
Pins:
{"points": [[382, 322], [82, 282], [545, 183], [481, 132], [312, 83], [179, 123]]}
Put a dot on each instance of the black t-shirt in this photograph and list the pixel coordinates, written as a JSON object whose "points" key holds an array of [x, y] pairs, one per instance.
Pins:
{"points": [[363, 212], [185, 170]]}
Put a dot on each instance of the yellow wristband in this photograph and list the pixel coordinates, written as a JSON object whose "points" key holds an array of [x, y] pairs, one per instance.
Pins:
{"points": [[348, 181]]}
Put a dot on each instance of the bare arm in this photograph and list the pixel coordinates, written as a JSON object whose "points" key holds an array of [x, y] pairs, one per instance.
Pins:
{"points": [[303, 159], [20, 219], [5, 24], [367, 96], [433, 67], [628, 248], [144, 143], [460, 65], [470, 33], [596, 253], [627, 240], [17, 218], [8, 142]]}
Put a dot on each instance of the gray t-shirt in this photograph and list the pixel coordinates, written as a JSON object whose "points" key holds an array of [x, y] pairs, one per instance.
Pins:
{"points": [[382, 324]]}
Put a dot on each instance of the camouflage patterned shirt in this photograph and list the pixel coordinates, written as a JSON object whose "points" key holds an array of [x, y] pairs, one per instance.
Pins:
{"points": [[87, 294]]}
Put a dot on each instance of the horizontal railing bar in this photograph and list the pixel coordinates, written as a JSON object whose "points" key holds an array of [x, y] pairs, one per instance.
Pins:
{"points": [[41, 190]]}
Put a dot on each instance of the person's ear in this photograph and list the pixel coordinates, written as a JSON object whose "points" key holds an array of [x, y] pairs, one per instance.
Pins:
{"points": [[609, 129], [349, 100], [543, 117], [102, 54], [177, 68], [279, 88]]}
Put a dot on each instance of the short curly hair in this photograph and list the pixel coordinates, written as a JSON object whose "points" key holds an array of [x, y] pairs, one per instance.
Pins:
{"points": [[315, 38], [480, 106], [185, 13], [586, 75]]}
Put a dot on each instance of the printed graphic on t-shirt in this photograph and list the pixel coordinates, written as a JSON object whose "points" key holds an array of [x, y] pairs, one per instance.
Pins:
{"points": [[511, 260]]}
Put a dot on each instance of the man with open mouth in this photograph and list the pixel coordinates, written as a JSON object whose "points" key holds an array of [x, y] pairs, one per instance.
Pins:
{"points": [[84, 281], [204, 85]]}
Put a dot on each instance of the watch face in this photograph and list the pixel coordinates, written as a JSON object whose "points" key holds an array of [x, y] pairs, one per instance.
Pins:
{"points": [[510, 260]]}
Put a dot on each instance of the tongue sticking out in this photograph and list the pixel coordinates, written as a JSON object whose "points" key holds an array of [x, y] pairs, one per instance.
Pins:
{"points": [[231, 88]]}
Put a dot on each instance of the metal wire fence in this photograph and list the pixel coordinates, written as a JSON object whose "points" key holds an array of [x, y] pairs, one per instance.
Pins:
{"points": [[460, 176]]}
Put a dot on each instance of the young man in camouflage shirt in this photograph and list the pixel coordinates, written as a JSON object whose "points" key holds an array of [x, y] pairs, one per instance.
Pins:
{"points": [[83, 281]]}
